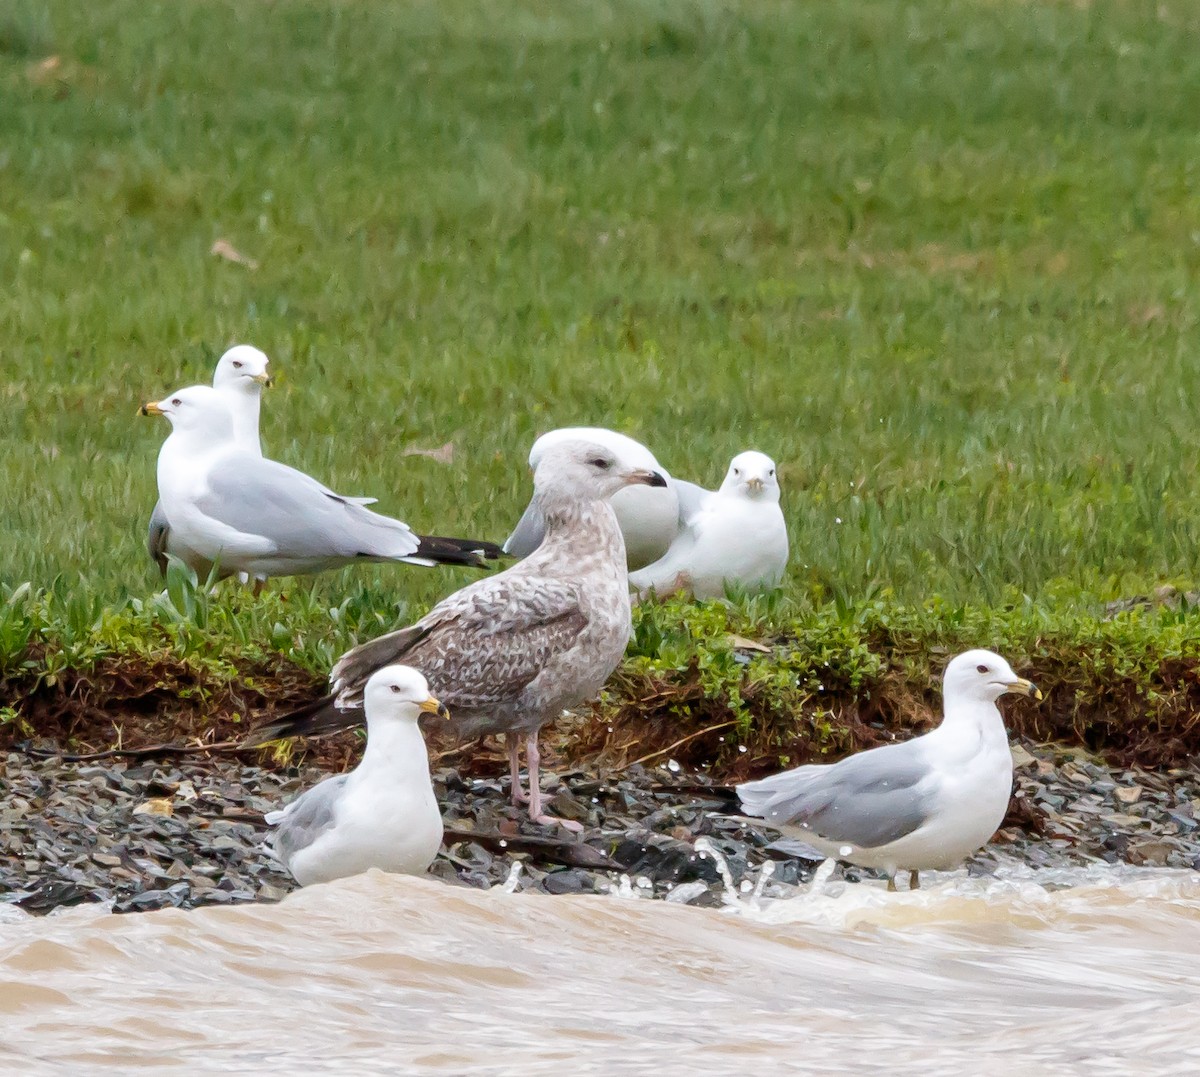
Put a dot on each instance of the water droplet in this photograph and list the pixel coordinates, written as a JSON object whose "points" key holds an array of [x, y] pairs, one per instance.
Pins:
{"points": [[595, 800], [837, 519], [745, 885], [672, 766], [845, 850], [503, 844], [741, 747]]}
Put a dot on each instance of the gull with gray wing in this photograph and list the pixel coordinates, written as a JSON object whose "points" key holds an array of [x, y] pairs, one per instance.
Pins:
{"points": [[927, 803], [240, 378], [383, 814], [250, 514]]}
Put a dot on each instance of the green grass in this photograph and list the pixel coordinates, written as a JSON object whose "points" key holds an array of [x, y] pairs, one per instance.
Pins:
{"points": [[938, 258]]}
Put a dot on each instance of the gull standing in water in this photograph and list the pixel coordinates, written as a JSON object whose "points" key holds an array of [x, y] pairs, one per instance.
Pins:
{"points": [[253, 515], [736, 536], [509, 653], [383, 814], [927, 803]]}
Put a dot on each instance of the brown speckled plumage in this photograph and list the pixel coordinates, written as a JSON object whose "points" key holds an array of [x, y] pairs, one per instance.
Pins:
{"points": [[507, 654]]}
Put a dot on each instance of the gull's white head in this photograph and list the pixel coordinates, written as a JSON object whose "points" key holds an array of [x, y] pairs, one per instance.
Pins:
{"points": [[198, 408], [399, 692], [588, 471], [632, 452], [242, 367], [752, 474], [983, 676]]}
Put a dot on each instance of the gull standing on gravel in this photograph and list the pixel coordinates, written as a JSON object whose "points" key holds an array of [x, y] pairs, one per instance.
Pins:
{"points": [[240, 378], [927, 803], [650, 517], [249, 514], [736, 536], [509, 653], [383, 814]]}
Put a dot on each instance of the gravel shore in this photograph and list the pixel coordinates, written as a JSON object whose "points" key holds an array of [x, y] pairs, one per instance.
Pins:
{"points": [[148, 835]]}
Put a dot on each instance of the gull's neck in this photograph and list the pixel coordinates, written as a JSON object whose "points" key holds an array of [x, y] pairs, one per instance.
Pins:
{"points": [[186, 457], [245, 403], [976, 721], [397, 747], [571, 521], [195, 444]]}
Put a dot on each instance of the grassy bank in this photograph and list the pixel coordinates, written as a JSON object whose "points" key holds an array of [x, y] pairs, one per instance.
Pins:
{"points": [[936, 257], [739, 687]]}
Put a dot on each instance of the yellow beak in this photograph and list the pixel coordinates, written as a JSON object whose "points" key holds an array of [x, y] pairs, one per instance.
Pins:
{"points": [[264, 379], [151, 408], [434, 706], [755, 484], [1023, 687]]}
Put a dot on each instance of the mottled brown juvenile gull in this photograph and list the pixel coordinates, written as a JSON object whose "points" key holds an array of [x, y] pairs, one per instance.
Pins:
{"points": [[509, 653], [650, 519], [253, 515], [929, 802], [383, 814]]}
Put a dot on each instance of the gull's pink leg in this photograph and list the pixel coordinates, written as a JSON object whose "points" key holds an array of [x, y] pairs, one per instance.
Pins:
{"points": [[519, 796], [533, 759]]}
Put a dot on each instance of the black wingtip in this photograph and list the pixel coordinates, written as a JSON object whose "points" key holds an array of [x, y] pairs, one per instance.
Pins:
{"points": [[318, 718], [475, 553]]}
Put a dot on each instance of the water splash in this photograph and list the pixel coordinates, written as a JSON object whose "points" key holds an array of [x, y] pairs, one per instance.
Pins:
{"points": [[510, 884], [764, 874], [704, 847], [686, 893]]}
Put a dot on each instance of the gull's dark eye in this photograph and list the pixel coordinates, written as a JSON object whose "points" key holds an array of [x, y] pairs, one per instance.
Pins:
{"points": [[395, 688], [771, 472], [177, 402], [601, 463], [982, 669], [737, 470], [237, 364]]}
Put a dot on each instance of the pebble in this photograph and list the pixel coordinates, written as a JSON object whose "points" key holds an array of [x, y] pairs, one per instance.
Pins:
{"points": [[176, 835]]}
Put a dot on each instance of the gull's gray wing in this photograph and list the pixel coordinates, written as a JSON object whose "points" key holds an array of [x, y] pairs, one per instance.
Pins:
{"points": [[868, 800], [528, 534], [157, 537], [691, 498], [306, 818], [300, 516], [480, 647]]}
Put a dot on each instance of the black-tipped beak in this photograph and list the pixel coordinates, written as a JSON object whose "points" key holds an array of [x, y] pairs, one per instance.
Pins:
{"points": [[1022, 687], [647, 478], [436, 706], [151, 408]]}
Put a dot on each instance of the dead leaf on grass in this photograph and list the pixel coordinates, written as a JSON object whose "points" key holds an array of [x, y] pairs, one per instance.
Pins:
{"points": [[222, 248], [443, 455], [740, 643]]}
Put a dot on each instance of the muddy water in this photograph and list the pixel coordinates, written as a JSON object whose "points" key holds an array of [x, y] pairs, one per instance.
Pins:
{"points": [[1097, 972]]}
